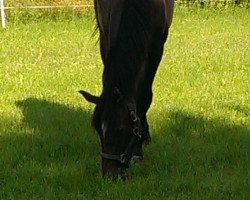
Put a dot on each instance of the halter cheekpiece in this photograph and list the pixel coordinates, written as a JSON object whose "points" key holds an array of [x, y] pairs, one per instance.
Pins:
{"points": [[125, 157]]}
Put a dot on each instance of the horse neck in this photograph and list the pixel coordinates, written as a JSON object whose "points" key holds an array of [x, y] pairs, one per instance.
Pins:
{"points": [[125, 59]]}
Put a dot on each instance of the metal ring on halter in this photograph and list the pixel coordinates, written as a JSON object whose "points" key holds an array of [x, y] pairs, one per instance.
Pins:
{"points": [[136, 132], [133, 116]]}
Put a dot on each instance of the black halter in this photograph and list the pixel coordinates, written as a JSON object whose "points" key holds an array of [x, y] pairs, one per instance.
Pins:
{"points": [[125, 157]]}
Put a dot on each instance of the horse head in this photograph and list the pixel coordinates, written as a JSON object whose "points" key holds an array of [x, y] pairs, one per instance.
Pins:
{"points": [[120, 131]]}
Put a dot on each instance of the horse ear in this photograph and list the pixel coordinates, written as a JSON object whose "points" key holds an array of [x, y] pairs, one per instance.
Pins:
{"points": [[89, 97], [117, 94]]}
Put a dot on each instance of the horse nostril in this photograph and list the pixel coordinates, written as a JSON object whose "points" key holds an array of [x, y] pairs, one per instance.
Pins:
{"points": [[123, 173], [114, 170], [119, 173]]}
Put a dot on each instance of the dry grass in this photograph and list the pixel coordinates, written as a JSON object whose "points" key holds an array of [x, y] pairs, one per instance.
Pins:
{"points": [[18, 3]]}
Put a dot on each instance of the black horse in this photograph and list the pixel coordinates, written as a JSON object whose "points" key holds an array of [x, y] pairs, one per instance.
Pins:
{"points": [[132, 37]]}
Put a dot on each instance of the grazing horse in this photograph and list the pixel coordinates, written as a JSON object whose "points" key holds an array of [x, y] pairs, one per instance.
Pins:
{"points": [[132, 37]]}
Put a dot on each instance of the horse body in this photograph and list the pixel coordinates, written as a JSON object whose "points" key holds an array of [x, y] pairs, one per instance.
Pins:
{"points": [[132, 37]]}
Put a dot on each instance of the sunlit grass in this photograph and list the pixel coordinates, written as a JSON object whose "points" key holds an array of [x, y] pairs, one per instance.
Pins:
{"points": [[199, 117]]}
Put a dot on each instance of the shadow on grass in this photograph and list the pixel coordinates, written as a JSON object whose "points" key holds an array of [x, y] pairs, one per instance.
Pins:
{"points": [[53, 147], [64, 132], [192, 156], [55, 150]]}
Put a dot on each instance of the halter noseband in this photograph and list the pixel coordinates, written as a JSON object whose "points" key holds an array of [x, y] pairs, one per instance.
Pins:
{"points": [[125, 157]]}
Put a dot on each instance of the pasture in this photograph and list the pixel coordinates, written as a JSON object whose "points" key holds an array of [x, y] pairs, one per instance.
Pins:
{"points": [[200, 116]]}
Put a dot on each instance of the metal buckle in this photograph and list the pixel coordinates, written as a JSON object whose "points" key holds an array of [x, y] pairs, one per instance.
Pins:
{"points": [[133, 116], [123, 158], [136, 132]]}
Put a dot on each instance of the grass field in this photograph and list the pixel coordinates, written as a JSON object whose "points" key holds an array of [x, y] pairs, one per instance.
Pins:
{"points": [[200, 116]]}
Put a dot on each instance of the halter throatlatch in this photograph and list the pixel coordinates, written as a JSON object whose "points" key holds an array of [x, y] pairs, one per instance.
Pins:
{"points": [[125, 157]]}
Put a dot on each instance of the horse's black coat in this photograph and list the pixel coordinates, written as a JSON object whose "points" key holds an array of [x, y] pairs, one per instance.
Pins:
{"points": [[132, 37]]}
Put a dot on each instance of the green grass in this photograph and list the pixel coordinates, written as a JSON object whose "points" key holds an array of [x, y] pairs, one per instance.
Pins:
{"points": [[199, 117]]}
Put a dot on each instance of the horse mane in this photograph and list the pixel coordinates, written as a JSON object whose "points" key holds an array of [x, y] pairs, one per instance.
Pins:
{"points": [[127, 52]]}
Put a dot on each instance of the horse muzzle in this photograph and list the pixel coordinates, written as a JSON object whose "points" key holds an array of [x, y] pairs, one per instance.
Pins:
{"points": [[114, 169]]}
